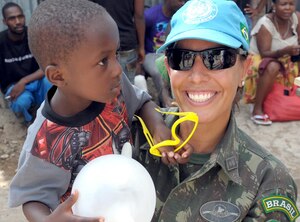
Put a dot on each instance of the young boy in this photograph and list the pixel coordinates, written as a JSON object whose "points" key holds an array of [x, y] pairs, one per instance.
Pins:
{"points": [[87, 112]]}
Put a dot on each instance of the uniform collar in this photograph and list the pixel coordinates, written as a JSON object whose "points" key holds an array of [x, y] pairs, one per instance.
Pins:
{"points": [[226, 153]]}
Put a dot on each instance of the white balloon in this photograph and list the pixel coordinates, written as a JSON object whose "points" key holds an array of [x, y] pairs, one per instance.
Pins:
{"points": [[115, 187]]}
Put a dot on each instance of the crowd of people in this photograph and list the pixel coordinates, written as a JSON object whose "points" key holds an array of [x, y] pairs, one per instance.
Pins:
{"points": [[81, 61], [143, 28], [274, 52]]}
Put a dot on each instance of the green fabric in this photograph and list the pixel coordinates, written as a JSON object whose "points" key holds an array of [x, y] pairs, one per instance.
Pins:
{"points": [[198, 158], [160, 64]]}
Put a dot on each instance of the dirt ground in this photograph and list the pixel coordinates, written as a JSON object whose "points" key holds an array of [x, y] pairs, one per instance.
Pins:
{"points": [[282, 139], [12, 135]]}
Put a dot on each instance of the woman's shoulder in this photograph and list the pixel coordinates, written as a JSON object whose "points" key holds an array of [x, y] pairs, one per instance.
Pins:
{"points": [[296, 17], [250, 145], [256, 154], [265, 21], [268, 172]]}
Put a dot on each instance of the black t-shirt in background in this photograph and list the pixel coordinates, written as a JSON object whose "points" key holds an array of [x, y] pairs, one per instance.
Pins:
{"points": [[16, 60], [122, 11]]}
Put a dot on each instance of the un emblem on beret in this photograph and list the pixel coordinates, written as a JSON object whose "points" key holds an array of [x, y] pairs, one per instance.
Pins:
{"points": [[200, 11]]}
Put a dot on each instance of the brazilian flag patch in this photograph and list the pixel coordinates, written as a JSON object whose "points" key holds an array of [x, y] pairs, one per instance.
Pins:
{"points": [[281, 203], [245, 32]]}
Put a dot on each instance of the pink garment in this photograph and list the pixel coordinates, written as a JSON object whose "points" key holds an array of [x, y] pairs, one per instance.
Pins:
{"points": [[265, 62]]}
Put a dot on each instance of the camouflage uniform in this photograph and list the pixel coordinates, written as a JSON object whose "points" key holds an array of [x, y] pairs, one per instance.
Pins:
{"points": [[229, 186]]}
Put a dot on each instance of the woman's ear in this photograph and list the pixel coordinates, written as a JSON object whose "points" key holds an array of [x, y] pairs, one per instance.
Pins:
{"points": [[246, 66], [54, 75]]}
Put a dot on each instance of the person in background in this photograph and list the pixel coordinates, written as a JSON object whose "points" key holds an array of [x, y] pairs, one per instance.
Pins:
{"points": [[157, 20], [275, 38], [21, 80], [129, 16], [249, 11], [229, 177]]}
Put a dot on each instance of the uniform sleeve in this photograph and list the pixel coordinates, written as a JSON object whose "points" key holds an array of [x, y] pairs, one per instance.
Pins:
{"points": [[276, 197], [134, 97], [38, 180]]}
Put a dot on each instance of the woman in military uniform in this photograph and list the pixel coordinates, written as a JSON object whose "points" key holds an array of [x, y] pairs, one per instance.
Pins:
{"points": [[229, 177]]}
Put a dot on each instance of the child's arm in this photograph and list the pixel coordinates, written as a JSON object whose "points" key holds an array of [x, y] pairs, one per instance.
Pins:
{"points": [[158, 129], [37, 212], [138, 100]]}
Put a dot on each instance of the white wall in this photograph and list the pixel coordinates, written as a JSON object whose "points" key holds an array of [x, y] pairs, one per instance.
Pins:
{"points": [[27, 5]]}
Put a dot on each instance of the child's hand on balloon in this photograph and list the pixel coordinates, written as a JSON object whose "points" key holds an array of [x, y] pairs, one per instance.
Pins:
{"points": [[114, 186], [64, 212]]}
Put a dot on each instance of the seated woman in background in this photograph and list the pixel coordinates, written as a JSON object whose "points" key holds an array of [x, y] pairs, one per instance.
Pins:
{"points": [[274, 40]]}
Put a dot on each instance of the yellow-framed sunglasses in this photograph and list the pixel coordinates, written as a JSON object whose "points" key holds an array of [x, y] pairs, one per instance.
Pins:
{"points": [[185, 116]]}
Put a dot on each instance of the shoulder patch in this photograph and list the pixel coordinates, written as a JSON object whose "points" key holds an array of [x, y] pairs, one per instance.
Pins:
{"points": [[281, 203]]}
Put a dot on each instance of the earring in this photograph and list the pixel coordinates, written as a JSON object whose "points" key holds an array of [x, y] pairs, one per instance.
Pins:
{"points": [[242, 83]]}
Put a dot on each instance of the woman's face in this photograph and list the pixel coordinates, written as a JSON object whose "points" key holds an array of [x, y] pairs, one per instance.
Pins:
{"points": [[284, 8], [209, 93]]}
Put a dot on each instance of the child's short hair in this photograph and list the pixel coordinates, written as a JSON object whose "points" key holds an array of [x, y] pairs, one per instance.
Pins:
{"points": [[56, 28]]}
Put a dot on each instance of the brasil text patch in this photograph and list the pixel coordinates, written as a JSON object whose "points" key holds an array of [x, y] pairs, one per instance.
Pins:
{"points": [[281, 203]]}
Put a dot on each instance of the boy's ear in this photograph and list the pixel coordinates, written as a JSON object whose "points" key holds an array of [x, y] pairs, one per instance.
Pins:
{"points": [[54, 75]]}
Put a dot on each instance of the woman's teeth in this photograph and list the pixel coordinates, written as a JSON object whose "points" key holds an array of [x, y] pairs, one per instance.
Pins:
{"points": [[200, 97]]}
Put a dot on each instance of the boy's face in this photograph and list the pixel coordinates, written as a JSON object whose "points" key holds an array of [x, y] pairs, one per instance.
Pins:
{"points": [[93, 72]]}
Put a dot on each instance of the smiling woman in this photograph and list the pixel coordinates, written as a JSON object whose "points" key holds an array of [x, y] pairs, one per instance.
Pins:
{"points": [[229, 177]]}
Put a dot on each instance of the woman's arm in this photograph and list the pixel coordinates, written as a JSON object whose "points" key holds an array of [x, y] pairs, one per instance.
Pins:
{"points": [[298, 26], [140, 27], [264, 43]]}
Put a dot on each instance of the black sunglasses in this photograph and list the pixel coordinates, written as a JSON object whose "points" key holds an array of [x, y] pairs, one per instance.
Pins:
{"points": [[213, 59]]}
